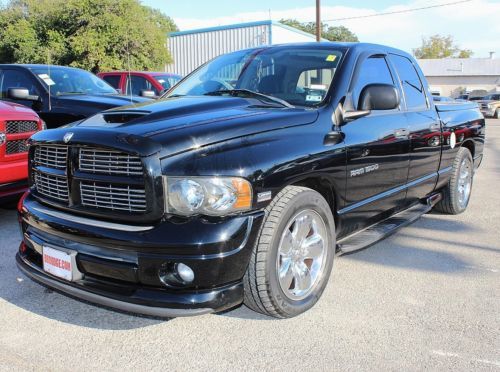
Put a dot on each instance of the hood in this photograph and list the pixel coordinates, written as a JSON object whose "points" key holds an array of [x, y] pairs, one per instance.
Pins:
{"points": [[14, 111], [178, 124], [105, 101]]}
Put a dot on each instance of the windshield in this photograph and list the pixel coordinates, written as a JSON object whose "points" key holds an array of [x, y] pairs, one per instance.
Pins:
{"points": [[492, 97], [72, 81], [167, 81], [299, 76]]}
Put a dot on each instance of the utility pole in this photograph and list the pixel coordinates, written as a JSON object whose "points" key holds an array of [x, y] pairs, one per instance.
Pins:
{"points": [[318, 20]]}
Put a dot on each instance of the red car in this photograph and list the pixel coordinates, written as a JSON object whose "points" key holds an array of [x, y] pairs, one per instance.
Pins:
{"points": [[17, 124], [146, 84]]}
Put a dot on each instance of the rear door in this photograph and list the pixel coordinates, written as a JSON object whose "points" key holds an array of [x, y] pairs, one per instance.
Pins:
{"points": [[425, 129], [377, 152]]}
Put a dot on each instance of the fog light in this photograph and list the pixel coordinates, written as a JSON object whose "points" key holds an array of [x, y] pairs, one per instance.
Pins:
{"points": [[185, 272], [174, 274]]}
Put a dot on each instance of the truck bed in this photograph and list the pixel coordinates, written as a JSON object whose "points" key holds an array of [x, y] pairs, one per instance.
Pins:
{"points": [[455, 106]]}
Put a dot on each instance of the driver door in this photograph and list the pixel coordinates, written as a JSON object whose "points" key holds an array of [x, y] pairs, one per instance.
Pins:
{"points": [[377, 148]]}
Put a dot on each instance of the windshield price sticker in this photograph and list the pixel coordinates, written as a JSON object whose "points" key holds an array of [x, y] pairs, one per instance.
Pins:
{"points": [[331, 58], [46, 78], [314, 98]]}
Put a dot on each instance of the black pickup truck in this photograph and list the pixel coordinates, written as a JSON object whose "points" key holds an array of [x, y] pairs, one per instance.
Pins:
{"points": [[243, 182], [59, 95]]}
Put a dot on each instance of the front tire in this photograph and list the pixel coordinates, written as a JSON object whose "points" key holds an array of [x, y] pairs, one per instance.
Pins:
{"points": [[293, 256], [456, 194]]}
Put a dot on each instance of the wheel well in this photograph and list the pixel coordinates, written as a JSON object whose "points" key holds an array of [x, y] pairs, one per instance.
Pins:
{"points": [[323, 187], [470, 146]]}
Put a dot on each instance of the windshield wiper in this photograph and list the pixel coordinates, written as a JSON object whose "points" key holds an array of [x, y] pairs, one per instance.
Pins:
{"points": [[249, 93], [64, 93]]}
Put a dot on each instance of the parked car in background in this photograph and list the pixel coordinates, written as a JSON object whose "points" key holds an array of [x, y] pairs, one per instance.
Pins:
{"points": [[490, 105], [17, 124], [243, 181], [60, 95], [145, 84]]}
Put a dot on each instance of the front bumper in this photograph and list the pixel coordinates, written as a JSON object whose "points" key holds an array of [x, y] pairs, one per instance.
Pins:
{"points": [[121, 264], [489, 113], [13, 188]]}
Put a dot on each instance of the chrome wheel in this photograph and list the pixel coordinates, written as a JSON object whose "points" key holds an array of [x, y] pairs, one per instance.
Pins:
{"points": [[464, 183], [302, 254]]}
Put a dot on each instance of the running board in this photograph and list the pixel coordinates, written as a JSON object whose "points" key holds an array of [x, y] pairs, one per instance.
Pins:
{"points": [[382, 229]]}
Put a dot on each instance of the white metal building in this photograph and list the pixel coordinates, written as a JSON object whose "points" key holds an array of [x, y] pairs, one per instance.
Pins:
{"points": [[454, 76], [192, 48]]}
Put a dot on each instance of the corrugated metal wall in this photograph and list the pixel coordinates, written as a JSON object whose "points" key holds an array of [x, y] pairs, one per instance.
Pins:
{"points": [[191, 50]]}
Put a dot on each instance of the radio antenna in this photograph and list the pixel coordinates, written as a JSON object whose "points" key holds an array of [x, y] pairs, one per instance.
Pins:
{"points": [[48, 67], [129, 73]]}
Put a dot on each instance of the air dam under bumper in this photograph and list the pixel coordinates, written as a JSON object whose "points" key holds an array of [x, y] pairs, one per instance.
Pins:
{"points": [[121, 268]]}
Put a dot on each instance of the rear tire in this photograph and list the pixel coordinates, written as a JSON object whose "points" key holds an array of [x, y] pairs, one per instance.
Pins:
{"points": [[293, 256], [456, 194], [497, 114]]}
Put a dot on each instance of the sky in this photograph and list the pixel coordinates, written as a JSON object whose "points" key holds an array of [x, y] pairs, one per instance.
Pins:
{"points": [[474, 25]]}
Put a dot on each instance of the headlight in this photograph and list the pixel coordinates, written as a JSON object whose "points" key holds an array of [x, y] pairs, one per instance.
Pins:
{"points": [[3, 138], [44, 125], [214, 196]]}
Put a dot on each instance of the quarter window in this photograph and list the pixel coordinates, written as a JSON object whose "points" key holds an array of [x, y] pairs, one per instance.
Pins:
{"points": [[411, 83]]}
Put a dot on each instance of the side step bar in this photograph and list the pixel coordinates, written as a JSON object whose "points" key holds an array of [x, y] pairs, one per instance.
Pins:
{"points": [[382, 229]]}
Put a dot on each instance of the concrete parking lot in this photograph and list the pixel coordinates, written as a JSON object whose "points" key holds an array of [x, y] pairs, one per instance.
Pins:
{"points": [[427, 298]]}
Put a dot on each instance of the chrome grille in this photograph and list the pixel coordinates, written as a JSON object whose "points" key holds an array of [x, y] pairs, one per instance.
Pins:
{"points": [[113, 197], [109, 162], [16, 147], [20, 126], [52, 186], [52, 156]]}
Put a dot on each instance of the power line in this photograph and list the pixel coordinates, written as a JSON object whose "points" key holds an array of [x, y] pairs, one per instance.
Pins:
{"points": [[397, 11]]}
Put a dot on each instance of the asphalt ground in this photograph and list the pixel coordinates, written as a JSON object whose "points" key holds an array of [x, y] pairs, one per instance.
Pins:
{"points": [[427, 298]]}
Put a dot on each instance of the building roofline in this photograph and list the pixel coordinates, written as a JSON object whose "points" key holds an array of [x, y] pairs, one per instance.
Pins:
{"points": [[242, 25], [221, 28]]}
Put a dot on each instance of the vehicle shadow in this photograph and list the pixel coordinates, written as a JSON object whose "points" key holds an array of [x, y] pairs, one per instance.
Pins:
{"points": [[22, 292], [424, 254]]}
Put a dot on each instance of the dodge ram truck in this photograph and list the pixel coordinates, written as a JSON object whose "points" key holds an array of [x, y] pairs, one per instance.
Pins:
{"points": [[243, 182], [17, 124], [59, 94]]}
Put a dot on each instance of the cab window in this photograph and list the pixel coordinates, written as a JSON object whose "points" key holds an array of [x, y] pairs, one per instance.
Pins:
{"points": [[135, 84], [373, 70], [412, 85], [17, 79]]}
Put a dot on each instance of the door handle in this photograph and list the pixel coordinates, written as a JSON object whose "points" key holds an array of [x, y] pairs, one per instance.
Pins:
{"points": [[401, 133]]}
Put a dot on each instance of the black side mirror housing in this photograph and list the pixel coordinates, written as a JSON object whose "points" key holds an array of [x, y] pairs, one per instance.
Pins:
{"points": [[378, 97], [21, 93]]}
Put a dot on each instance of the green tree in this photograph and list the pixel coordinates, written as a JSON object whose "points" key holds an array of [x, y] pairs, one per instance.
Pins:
{"points": [[332, 33], [96, 35], [438, 46]]}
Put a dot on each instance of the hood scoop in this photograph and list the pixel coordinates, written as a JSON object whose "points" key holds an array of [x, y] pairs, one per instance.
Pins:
{"points": [[122, 117], [113, 118]]}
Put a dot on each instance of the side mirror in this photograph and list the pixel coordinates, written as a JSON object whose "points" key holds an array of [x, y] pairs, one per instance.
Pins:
{"points": [[378, 97], [119, 91], [148, 93], [20, 93]]}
